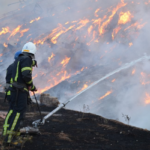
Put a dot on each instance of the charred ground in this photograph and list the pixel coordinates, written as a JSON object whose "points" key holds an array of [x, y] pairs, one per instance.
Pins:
{"points": [[75, 130]]}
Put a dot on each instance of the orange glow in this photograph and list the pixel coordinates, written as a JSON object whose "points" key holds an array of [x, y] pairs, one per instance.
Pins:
{"points": [[83, 23], [56, 81], [133, 71], [141, 26], [23, 31], [84, 87], [108, 93], [65, 61], [15, 31], [145, 83], [113, 80], [90, 29], [147, 99], [49, 58], [125, 17], [1, 55], [115, 31], [104, 25], [67, 22], [82, 69], [5, 45], [34, 77], [97, 10], [130, 44], [36, 19], [4, 30], [143, 74], [54, 39], [132, 25]]}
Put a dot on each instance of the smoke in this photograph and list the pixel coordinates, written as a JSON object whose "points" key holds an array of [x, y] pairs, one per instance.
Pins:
{"points": [[77, 45]]}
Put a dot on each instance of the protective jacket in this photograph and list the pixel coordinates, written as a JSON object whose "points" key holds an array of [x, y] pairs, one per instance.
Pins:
{"points": [[22, 70], [9, 74]]}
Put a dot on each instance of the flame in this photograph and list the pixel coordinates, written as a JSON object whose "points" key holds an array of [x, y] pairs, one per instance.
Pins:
{"points": [[23, 31], [15, 31], [49, 58], [141, 26], [97, 10], [104, 25], [56, 81], [5, 45], [90, 29], [133, 71], [115, 31], [67, 22], [84, 87], [83, 23], [65, 61], [113, 80], [34, 77], [4, 30], [54, 39], [130, 44], [125, 17], [54, 34], [147, 99], [108, 93], [36, 19]]}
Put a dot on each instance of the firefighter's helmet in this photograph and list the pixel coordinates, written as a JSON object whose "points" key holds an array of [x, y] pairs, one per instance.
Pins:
{"points": [[29, 48]]}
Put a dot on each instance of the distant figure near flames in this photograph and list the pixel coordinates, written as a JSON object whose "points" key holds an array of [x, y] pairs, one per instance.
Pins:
{"points": [[21, 84]]}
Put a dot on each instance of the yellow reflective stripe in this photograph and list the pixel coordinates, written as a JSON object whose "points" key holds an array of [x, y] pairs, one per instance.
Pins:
{"points": [[26, 68], [32, 87], [11, 80], [13, 127], [26, 89], [33, 63], [9, 93], [25, 50], [29, 82], [6, 121], [16, 77]]}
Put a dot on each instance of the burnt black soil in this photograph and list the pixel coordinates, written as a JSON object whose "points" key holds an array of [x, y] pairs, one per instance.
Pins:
{"points": [[73, 130]]}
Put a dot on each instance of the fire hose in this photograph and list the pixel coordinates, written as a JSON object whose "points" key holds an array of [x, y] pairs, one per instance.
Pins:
{"points": [[38, 105], [127, 65]]}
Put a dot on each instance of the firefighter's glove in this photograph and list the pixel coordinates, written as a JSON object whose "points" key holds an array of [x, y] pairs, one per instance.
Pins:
{"points": [[29, 101], [33, 88], [34, 63]]}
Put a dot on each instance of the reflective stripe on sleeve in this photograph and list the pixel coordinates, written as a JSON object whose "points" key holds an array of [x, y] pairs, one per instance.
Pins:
{"points": [[26, 68], [9, 93], [16, 77]]}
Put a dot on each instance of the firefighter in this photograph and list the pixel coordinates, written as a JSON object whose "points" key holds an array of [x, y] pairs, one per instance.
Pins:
{"points": [[21, 85], [9, 76], [8, 92]]}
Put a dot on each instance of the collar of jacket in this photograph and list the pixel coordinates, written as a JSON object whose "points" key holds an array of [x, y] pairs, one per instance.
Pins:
{"points": [[27, 54]]}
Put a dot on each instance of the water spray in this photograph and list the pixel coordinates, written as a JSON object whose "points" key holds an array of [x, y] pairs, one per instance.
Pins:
{"points": [[126, 66]]}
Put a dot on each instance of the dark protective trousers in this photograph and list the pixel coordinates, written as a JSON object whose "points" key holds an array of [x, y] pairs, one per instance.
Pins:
{"points": [[15, 116]]}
